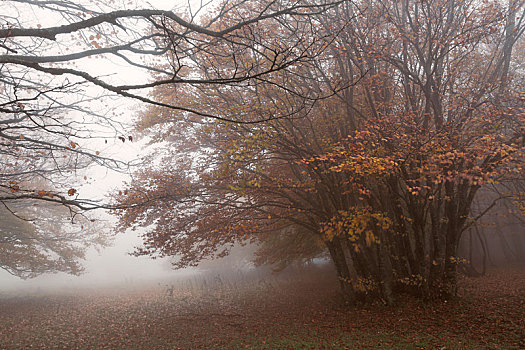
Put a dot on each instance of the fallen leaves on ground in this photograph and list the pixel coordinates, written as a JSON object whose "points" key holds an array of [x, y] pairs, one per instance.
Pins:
{"points": [[301, 313]]}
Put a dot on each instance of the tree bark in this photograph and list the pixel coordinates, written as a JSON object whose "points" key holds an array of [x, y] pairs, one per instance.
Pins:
{"points": [[343, 272]]}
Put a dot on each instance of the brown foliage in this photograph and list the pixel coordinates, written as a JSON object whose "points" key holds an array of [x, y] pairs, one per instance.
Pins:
{"points": [[377, 147]]}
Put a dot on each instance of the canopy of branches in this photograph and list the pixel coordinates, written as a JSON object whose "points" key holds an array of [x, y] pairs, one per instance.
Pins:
{"points": [[379, 140], [55, 92]]}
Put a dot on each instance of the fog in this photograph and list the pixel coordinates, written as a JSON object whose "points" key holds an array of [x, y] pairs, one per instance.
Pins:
{"points": [[112, 265], [108, 268]]}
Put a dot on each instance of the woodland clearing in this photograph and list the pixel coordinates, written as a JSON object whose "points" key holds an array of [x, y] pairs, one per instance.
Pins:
{"points": [[300, 312]]}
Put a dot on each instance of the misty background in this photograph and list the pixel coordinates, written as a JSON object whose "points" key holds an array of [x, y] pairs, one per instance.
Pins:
{"points": [[112, 265]]}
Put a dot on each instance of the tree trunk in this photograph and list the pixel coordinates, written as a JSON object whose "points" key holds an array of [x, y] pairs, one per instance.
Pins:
{"points": [[449, 285], [343, 272], [385, 271]]}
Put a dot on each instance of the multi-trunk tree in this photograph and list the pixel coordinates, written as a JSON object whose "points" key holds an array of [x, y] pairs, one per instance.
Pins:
{"points": [[379, 144]]}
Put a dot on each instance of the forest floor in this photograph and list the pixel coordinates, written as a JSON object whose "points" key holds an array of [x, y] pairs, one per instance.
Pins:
{"points": [[294, 313]]}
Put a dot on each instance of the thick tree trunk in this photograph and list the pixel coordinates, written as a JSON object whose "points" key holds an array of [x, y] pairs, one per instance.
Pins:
{"points": [[385, 271], [343, 272], [449, 286]]}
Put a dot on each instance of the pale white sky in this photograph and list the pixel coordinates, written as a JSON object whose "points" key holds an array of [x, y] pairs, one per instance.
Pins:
{"points": [[111, 265]]}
